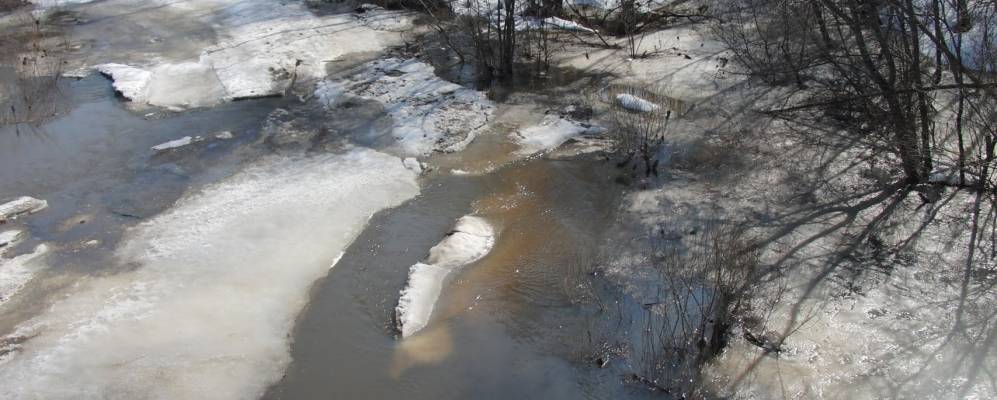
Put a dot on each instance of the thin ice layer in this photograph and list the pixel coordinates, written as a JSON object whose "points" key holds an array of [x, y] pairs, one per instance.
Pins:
{"points": [[212, 286], [552, 132], [20, 206], [429, 113]]}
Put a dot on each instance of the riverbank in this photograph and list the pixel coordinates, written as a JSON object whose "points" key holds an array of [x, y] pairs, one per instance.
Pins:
{"points": [[222, 219]]}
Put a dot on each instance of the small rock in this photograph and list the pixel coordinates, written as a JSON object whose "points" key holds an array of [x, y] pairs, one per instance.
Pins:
{"points": [[224, 135]]}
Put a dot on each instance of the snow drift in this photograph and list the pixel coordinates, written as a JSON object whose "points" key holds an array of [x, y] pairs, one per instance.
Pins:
{"points": [[471, 240]]}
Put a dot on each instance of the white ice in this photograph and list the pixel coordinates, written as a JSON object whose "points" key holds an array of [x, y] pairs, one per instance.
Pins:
{"points": [[132, 83], [552, 132], [471, 240], [429, 113], [173, 144], [634, 103], [16, 272], [413, 164], [8, 239], [20, 206], [263, 48], [58, 3], [211, 289]]}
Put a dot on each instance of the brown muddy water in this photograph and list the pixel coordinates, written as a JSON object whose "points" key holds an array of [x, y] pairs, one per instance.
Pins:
{"points": [[510, 325], [515, 324], [520, 323]]}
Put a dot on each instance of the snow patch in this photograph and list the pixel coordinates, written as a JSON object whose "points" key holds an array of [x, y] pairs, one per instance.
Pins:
{"points": [[184, 85], [552, 132], [413, 164], [130, 82], [549, 23], [217, 281], [429, 113], [20, 206], [634, 103], [471, 240]]}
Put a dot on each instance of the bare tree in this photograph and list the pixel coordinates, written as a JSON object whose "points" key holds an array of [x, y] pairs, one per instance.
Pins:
{"points": [[866, 63], [640, 136], [30, 69]]}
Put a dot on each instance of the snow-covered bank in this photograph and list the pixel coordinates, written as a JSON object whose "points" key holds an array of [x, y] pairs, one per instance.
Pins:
{"points": [[212, 286], [683, 63], [21, 206], [429, 113], [263, 48], [471, 239]]}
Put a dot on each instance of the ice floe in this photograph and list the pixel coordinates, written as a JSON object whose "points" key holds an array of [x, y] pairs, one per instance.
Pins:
{"points": [[129, 82], [429, 113], [58, 3], [173, 144], [212, 287], [20, 206], [552, 131], [471, 240], [263, 48], [9, 238]]}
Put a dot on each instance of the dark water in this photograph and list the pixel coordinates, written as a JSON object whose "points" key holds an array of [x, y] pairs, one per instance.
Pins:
{"points": [[94, 166]]}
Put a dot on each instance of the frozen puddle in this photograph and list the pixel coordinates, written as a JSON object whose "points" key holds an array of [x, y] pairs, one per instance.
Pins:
{"points": [[216, 285], [471, 239]]}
